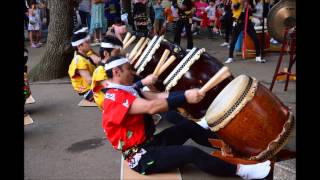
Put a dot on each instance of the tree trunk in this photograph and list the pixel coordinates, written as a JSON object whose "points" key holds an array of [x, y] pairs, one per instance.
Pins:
{"points": [[58, 53]]}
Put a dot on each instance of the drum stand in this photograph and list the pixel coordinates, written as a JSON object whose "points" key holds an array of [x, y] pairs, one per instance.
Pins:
{"points": [[289, 41], [225, 154]]}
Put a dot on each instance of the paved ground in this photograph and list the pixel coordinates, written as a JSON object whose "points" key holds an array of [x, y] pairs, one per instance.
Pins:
{"points": [[67, 142]]}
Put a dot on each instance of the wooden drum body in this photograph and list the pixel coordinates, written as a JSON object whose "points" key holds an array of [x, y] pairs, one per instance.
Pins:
{"points": [[196, 76], [189, 70], [250, 119]]}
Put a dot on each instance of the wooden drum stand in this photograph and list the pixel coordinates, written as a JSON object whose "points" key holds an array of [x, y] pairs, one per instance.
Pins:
{"points": [[289, 41]]}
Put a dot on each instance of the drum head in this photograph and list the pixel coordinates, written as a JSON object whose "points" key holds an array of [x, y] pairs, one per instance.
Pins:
{"points": [[227, 98]]}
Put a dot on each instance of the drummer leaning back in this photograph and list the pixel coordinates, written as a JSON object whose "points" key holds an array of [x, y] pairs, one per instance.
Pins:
{"points": [[128, 125]]}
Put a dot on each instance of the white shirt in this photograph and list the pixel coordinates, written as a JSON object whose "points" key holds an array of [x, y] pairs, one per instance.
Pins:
{"points": [[210, 11]]}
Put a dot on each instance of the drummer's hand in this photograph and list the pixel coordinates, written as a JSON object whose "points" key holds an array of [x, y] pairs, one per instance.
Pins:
{"points": [[149, 80], [193, 96]]}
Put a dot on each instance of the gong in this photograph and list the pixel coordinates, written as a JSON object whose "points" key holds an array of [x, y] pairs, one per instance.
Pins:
{"points": [[281, 16]]}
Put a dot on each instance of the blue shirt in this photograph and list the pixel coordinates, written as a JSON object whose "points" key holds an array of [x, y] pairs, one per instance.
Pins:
{"points": [[158, 12]]}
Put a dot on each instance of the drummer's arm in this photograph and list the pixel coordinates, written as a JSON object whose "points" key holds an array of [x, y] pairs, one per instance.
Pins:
{"points": [[154, 95], [145, 106]]}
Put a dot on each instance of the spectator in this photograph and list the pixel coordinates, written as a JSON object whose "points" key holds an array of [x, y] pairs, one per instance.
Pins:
{"points": [[227, 21], [98, 21], [119, 28], [239, 13], [185, 21], [112, 11], [258, 14], [84, 12], [158, 18], [26, 11], [140, 17], [172, 17], [211, 14], [34, 25], [200, 8]]}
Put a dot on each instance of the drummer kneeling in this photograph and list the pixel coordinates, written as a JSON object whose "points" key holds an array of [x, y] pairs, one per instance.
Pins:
{"points": [[130, 129]]}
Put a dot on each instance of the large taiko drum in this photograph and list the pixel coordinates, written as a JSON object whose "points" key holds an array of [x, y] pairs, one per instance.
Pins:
{"points": [[250, 119], [190, 70]]}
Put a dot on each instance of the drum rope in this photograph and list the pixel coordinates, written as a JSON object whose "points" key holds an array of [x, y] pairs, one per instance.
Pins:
{"points": [[145, 54], [177, 72], [276, 145], [181, 67], [145, 59]]}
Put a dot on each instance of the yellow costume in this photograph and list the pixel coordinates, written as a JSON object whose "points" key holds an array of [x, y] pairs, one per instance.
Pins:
{"points": [[236, 12], [98, 75], [79, 62]]}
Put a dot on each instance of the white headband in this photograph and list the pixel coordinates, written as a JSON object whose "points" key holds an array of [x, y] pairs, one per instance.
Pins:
{"points": [[115, 63], [109, 45], [84, 29], [77, 43]]}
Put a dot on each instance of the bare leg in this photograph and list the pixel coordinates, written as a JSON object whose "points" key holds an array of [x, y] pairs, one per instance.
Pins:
{"points": [[99, 34], [37, 37], [31, 38]]}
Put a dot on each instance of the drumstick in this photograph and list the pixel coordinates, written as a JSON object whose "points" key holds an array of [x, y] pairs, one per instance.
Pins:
{"points": [[140, 51], [129, 42], [161, 61], [128, 35], [166, 64], [136, 47], [222, 74]]}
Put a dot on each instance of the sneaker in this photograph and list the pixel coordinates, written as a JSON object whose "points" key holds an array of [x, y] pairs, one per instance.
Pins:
{"points": [[224, 44], [229, 60], [258, 59], [34, 45]]}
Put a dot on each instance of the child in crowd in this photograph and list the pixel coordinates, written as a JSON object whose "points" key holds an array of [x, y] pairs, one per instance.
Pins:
{"points": [[34, 25], [98, 21], [118, 29], [172, 17], [200, 8], [159, 19]]}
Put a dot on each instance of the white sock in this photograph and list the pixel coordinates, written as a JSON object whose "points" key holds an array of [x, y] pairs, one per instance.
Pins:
{"points": [[254, 171], [203, 123], [258, 58]]}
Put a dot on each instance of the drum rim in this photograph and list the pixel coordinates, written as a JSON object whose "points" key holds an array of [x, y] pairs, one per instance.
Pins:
{"points": [[183, 66], [246, 96]]}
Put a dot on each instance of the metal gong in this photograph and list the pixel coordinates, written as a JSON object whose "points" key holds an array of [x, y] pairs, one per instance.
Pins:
{"points": [[281, 16]]}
